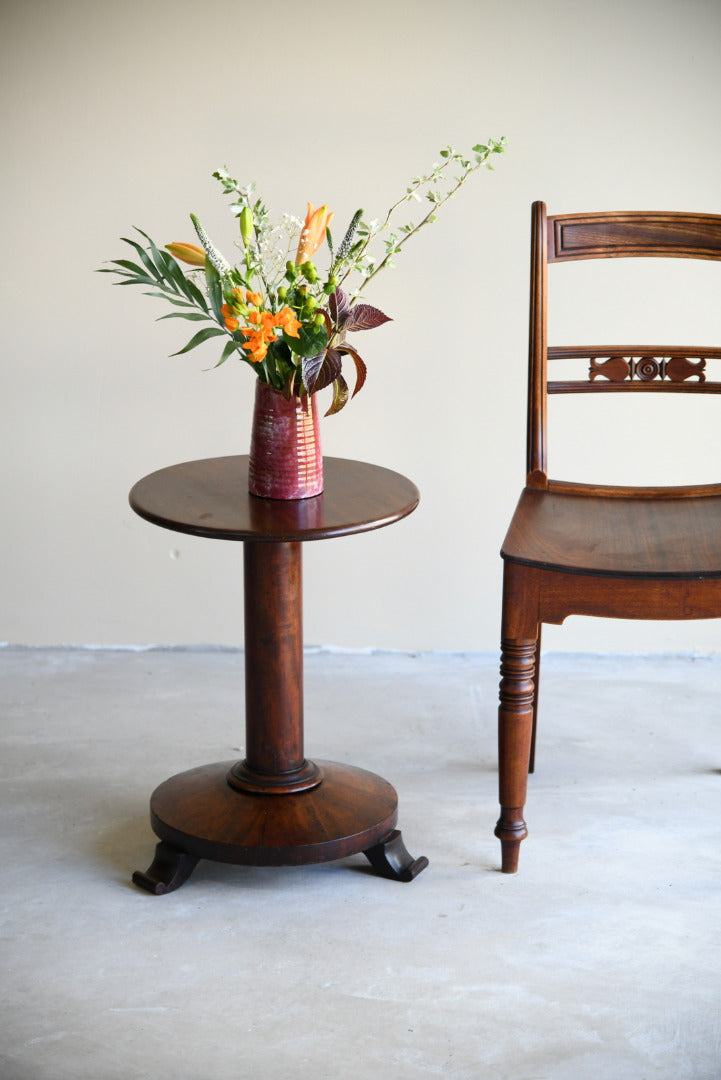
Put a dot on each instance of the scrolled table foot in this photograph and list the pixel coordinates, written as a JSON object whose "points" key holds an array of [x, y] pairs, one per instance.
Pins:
{"points": [[170, 869], [391, 859]]}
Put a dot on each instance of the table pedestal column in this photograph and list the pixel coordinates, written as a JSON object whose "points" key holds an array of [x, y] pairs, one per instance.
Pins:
{"points": [[274, 808], [274, 761]]}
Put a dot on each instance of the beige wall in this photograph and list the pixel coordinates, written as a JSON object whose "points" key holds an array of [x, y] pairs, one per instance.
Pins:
{"points": [[116, 114]]}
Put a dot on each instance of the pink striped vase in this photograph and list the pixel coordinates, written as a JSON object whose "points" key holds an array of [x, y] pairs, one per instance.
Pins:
{"points": [[286, 461]]}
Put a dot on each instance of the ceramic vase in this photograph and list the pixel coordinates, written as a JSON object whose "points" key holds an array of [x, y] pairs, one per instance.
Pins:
{"points": [[285, 452]]}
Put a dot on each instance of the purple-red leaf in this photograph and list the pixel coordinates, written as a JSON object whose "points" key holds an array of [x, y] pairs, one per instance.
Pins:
{"points": [[340, 396], [360, 366], [339, 305], [328, 323], [321, 370], [365, 317]]}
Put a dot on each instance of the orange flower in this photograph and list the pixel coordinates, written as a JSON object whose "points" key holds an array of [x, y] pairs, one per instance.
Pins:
{"points": [[189, 253], [231, 323], [261, 333], [256, 343], [313, 232], [287, 321]]}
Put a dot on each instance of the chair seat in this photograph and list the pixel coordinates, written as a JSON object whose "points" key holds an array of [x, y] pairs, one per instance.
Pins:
{"points": [[617, 537]]}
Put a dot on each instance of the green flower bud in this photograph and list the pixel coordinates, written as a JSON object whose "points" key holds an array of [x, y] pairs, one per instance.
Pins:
{"points": [[246, 224]]}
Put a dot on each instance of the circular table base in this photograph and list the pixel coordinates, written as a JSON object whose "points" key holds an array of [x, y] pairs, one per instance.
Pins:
{"points": [[199, 812], [198, 815]]}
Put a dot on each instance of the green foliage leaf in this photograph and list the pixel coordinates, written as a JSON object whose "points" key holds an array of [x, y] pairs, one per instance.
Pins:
{"points": [[195, 294], [228, 350], [310, 341], [143, 256], [199, 338], [155, 253], [279, 366], [133, 268], [169, 298], [215, 289], [194, 316], [270, 366], [172, 271]]}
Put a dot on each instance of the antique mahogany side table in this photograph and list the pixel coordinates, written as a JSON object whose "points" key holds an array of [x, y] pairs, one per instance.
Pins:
{"points": [[273, 808]]}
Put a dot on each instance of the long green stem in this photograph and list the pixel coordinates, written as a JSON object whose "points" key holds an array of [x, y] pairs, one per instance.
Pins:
{"points": [[259, 265], [416, 228], [404, 199], [371, 236]]}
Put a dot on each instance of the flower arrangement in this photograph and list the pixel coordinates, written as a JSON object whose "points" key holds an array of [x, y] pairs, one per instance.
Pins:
{"points": [[274, 308]]}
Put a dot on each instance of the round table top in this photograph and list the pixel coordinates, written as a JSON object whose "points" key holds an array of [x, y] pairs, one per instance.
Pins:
{"points": [[210, 498]]}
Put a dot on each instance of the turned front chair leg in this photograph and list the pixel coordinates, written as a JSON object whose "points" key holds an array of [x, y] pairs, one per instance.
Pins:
{"points": [[515, 728]]}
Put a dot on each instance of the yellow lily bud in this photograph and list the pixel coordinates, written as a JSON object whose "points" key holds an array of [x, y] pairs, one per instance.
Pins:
{"points": [[313, 232], [189, 253]]}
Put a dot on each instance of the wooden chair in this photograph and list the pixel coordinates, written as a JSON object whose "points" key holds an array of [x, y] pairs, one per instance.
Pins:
{"points": [[621, 552]]}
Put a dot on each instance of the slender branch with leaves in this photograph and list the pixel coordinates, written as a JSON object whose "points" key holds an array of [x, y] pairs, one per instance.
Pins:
{"points": [[273, 307]]}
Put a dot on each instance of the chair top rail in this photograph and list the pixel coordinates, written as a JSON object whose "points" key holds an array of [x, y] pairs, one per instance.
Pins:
{"points": [[580, 352], [632, 234]]}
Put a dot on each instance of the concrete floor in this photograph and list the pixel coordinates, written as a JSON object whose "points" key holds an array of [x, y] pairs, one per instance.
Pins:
{"points": [[600, 959]]}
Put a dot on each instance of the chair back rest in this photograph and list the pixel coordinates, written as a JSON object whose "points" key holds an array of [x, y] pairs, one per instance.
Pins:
{"points": [[612, 368]]}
